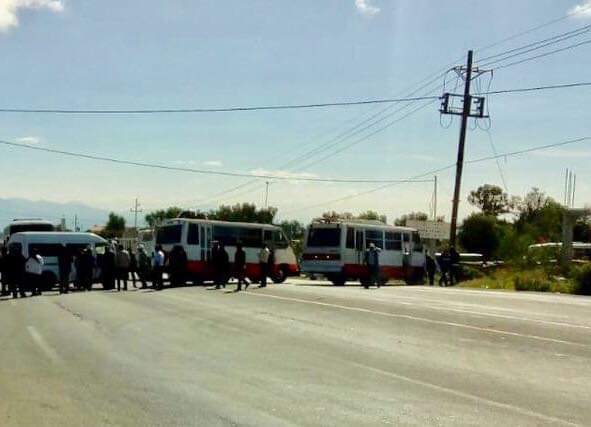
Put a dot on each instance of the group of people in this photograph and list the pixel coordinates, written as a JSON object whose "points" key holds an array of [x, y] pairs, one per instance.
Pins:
{"points": [[117, 266], [223, 270], [448, 265]]}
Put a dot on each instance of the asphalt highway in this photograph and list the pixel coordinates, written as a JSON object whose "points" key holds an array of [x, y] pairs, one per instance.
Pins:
{"points": [[300, 353]]}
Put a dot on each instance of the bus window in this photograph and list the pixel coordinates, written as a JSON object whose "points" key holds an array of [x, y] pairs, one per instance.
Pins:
{"points": [[279, 240], [251, 237], [350, 238], [267, 236], [46, 249], [227, 236], [193, 234], [418, 245], [374, 236], [393, 241], [169, 234], [324, 237]]}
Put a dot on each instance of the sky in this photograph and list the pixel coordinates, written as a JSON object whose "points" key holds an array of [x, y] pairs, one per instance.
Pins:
{"points": [[83, 54]]}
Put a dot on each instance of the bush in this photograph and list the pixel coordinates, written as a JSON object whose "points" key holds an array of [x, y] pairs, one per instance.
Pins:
{"points": [[582, 278], [470, 273], [532, 281]]}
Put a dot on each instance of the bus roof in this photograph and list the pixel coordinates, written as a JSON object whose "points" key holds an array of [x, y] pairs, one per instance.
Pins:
{"points": [[215, 222], [56, 236], [364, 224]]}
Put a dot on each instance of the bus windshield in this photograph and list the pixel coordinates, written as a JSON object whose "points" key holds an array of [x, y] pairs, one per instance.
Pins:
{"points": [[18, 228], [169, 234], [324, 237]]}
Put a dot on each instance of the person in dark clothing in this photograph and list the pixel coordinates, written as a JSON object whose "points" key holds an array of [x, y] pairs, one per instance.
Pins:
{"points": [[240, 268], [108, 269], [14, 271], [431, 267], [86, 273], [65, 268], [177, 265], [158, 261], [224, 266], [455, 267], [3, 255], [444, 265], [133, 267], [144, 265]]}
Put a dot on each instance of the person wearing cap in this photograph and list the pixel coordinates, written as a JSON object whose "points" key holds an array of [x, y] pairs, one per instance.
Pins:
{"points": [[372, 261]]}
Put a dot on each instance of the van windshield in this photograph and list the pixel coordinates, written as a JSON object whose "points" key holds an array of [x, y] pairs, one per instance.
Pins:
{"points": [[324, 237], [19, 228]]}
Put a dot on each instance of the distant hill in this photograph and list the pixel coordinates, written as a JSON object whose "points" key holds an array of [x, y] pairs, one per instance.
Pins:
{"points": [[51, 211]]}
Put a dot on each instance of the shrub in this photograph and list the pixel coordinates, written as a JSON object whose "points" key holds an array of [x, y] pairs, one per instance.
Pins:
{"points": [[470, 273], [532, 281]]}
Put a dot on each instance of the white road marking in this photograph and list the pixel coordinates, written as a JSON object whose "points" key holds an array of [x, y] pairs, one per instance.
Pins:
{"points": [[49, 352], [421, 319], [467, 396]]}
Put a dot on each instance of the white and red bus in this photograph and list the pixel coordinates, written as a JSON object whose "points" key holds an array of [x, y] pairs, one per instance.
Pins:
{"points": [[197, 235], [336, 250]]}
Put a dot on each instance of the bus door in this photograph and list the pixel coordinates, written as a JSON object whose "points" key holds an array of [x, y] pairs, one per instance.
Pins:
{"points": [[360, 246], [205, 232]]}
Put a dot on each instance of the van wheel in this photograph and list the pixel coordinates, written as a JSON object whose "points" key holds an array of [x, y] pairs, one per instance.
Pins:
{"points": [[280, 276]]}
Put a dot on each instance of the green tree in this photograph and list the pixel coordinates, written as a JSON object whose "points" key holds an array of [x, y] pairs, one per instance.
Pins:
{"points": [[412, 216], [539, 217], [115, 226], [373, 215], [156, 217], [294, 230], [245, 212], [490, 199], [480, 233]]}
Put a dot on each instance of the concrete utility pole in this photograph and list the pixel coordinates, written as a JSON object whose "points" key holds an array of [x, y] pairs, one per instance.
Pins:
{"points": [[135, 211], [462, 142], [435, 198], [266, 194], [76, 228]]}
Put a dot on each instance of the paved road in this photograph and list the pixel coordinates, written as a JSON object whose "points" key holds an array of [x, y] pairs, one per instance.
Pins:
{"points": [[300, 353]]}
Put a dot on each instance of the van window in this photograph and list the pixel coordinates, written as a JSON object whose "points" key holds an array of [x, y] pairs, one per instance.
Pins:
{"points": [[418, 245], [374, 236], [393, 241], [169, 234], [251, 237], [350, 238], [100, 248], [324, 237], [75, 248], [267, 236], [46, 249], [15, 247], [279, 240], [193, 235]]}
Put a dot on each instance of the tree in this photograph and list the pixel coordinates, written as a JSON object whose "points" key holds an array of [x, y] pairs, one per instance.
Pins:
{"points": [[245, 212], [480, 234], [539, 217], [156, 217], [115, 226], [370, 215], [490, 199], [412, 216], [373, 216], [294, 230]]}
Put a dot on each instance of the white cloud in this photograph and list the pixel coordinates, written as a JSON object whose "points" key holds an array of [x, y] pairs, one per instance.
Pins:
{"points": [[29, 140], [366, 8], [582, 10], [213, 163], [9, 10]]}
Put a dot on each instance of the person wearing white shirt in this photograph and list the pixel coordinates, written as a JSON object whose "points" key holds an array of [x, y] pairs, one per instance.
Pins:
{"points": [[34, 272], [158, 267], [264, 265]]}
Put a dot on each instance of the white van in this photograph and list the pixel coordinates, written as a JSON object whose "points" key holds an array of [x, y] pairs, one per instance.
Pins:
{"points": [[50, 244]]}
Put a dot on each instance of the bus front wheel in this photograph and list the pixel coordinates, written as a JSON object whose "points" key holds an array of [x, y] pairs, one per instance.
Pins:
{"points": [[279, 276]]}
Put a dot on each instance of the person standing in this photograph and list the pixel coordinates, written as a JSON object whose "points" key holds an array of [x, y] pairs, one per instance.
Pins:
{"points": [[444, 266], [264, 256], [14, 269], [221, 261], [3, 256], [64, 261], [240, 268], [177, 264], [158, 268], [122, 262], [455, 268], [431, 267], [87, 264], [108, 269], [372, 261], [144, 267], [133, 267], [34, 272]]}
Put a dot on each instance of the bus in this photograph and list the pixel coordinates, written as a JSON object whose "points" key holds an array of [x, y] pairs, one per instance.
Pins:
{"points": [[29, 224], [197, 235], [336, 250], [51, 244], [551, 251]]}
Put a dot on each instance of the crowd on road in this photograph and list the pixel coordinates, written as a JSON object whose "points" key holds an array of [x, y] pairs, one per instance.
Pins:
{"points": [[447, 264], [117, 266]]}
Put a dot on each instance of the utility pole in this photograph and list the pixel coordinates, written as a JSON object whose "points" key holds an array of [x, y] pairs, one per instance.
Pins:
{"points": [[76, 223], [435, 198], [462, 143], [136, 209], [266, 194]]}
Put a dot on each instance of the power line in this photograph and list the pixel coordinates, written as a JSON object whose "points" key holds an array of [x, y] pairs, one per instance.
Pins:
{"points": [[190, 170], [536, 88], [542, 55], [211, 110], [451, 166], [494, 150]]}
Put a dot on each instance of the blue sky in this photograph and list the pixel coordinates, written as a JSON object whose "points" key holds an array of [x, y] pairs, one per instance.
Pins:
{"points": [[159, 54]]}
